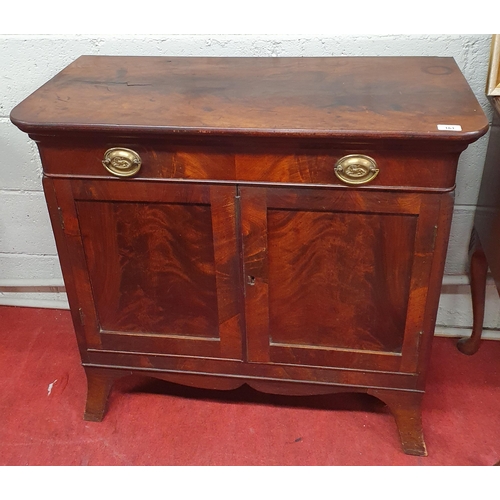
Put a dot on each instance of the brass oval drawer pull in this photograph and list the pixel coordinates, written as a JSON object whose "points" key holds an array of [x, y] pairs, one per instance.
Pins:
{"points": [[356, 169], [122, 162]]}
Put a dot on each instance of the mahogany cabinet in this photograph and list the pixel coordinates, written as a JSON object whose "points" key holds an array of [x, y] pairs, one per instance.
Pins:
{"points": [[278, 222]]}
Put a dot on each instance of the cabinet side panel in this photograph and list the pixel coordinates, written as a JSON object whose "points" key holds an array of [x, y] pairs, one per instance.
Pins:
{"points": [[73, 264], [51, 197], [445, 215]]}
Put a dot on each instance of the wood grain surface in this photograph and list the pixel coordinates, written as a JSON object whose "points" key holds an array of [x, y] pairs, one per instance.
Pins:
{"points": [[350, 97], [236, 255]]}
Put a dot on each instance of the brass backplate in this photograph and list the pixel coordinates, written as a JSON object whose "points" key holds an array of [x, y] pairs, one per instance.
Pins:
{"points": [[122, 162], [356, 169]]}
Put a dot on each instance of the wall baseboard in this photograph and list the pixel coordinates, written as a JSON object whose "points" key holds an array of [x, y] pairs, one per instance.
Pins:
{"points": [[48, 303], [42, 293], [454, 315], [453, 332]]}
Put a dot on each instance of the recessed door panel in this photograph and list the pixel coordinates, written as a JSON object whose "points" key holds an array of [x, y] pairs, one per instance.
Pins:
{"points": [[339, 279], [152, 269]]}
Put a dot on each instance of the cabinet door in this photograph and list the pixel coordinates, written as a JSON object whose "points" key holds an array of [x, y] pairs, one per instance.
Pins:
{"points": [[157, 266], [337, 277]]}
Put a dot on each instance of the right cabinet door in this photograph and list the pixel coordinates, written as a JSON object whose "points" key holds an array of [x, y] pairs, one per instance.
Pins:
{"points": [[337, 277]]}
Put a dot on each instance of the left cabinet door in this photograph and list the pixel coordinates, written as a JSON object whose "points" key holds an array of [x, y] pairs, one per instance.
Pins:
{"points": [[150, 267]]}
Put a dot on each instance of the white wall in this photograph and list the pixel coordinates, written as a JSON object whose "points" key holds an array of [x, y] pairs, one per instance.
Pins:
{"points": [[27, 250]]}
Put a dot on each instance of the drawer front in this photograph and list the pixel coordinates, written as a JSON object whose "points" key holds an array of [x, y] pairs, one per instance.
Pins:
{"points": [[394, 169], [156, 162]]}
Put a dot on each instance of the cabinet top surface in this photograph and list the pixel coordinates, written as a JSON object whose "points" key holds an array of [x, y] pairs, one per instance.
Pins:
{"points": [[338, 97]]}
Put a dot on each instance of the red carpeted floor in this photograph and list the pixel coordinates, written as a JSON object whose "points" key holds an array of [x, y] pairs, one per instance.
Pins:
{"points": [[42, 396]]}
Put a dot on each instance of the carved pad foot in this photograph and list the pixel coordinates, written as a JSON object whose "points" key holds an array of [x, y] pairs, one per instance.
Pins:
{"points": [[469, 345]]}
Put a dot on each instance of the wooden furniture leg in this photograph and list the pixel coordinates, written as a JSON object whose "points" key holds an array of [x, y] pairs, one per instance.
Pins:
{"points": [[99, 385], [478, 272], [406, 407]]}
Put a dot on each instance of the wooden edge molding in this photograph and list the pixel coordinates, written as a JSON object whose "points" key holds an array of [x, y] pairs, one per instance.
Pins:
{"points": [[493, 79]]}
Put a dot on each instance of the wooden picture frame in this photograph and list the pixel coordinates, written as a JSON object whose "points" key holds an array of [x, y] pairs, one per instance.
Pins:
{"points": [[493, 79]]}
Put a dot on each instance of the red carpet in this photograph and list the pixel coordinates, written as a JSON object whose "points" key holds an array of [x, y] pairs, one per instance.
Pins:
{"points": [[42, 396]]}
